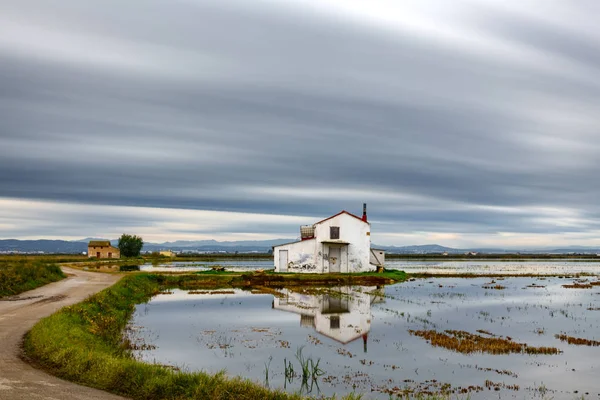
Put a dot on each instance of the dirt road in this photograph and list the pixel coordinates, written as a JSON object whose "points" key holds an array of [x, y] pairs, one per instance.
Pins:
{"points": [[19, 380]]}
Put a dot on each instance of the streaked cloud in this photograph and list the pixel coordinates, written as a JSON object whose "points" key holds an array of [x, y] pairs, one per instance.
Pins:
{"points": [[464, 124]]}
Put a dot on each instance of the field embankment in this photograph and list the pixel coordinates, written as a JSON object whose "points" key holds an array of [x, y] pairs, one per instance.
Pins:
{"points": [[20, 274], [84, 343], [223, 279]]}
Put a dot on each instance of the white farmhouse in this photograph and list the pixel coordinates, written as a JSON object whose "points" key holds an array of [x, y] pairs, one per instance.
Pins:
{"points": [[340, 243]]}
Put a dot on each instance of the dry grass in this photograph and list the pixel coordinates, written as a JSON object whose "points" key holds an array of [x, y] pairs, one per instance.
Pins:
{"points": [[495, 287], [577, 341], [578, 286], [468, 343]]}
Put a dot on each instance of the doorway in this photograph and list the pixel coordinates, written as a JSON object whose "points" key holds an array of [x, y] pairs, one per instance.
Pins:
{"points": [[334, 259], [283, 260]]}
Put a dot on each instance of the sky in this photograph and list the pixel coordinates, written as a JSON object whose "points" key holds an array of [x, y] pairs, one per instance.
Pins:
{"points": [[463, 123]]}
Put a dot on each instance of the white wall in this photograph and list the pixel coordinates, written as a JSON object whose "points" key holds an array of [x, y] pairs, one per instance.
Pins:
{"points": [[312, 256], [377, 257], [301, 257], [352, 230]]}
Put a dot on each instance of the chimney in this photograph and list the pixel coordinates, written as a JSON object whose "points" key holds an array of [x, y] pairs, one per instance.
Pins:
{"points": [[364, 217]]}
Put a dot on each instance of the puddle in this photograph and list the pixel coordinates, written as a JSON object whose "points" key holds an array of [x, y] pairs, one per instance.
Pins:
{"points": [[360, 336]]}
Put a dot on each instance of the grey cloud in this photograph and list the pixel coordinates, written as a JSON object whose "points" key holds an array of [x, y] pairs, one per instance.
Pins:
{"points": [[255, 97]]}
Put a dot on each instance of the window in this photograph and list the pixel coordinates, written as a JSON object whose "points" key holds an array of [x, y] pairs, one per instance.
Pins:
{"points": [[334, 232], [334, 322]]}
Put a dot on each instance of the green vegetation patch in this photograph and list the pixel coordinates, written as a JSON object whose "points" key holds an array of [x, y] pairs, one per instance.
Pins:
{"points": [[84, 343], [220, 279], [19, 274]]}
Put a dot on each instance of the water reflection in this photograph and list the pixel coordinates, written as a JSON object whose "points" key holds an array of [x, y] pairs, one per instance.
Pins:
{"points": [[542, 267], [248, 333], [342, 313]]}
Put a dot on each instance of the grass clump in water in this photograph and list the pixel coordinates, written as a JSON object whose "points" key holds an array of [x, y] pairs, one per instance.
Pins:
{"points": [[19, 274], [577, 341], [467, 343], [578, 286]]}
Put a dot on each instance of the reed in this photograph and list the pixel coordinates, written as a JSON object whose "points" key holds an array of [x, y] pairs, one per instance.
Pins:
{"points": [[468, 343], [578, 286], [577, 341]]}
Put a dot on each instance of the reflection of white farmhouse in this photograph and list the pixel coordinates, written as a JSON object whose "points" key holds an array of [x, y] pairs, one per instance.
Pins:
{"points": [[342, 314], [341, 243]]}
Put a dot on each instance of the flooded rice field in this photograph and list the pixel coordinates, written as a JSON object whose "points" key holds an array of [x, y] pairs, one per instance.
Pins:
{"points": [[538, 267], [482, 267], [230, 264], [513, 337]]}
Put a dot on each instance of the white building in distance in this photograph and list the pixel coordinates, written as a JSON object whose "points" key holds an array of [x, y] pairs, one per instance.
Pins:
{"points": [[340, 243]]}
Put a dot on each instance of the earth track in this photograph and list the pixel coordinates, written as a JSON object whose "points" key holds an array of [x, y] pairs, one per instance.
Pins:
{"points": [[20, 380]]}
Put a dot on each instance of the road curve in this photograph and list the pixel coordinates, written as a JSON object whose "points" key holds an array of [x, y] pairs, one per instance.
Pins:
{"points": [[19, 380]]}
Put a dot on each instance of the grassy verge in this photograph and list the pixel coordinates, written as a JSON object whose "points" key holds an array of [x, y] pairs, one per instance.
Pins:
{"points": [[83, 343], [19, 274]]}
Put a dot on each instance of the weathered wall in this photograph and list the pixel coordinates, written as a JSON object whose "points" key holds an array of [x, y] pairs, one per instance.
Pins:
{"points": [[104, 252], [352, 230], [313, 256], [377, 257], [301, 257]]}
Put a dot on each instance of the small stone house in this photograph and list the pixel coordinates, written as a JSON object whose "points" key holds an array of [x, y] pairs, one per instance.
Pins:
{"points": [[340, 243], [102, 249]]}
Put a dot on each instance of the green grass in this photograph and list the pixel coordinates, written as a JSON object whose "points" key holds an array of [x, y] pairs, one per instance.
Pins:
{"points": [[220, 279], [19, 274]]}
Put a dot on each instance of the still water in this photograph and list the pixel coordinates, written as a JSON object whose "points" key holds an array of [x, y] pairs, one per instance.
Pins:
{"points": [[545, 267], [360, 336]]}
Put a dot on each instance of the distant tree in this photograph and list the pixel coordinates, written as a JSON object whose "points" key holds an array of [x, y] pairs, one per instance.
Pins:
{"points": [[130, 245]]}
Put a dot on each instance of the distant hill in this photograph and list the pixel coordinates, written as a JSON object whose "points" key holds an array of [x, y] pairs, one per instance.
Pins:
{"points": [[212, 243], [80, 246], [254, 246], [422, 249], [44, 246]]}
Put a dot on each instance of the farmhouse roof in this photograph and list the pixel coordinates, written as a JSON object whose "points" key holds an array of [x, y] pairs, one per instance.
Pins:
{"points": [[340, 213], [297, 241], [99, 243]]}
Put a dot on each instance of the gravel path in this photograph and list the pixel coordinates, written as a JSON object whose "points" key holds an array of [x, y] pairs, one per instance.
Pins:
{"points": [[19, 380]]}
